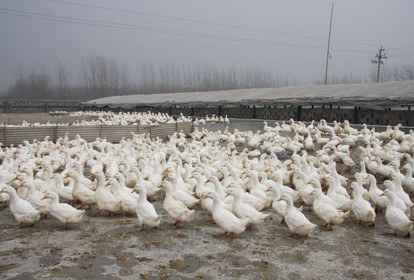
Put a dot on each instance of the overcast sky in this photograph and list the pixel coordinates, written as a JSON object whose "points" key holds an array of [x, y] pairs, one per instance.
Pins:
{"points": [[288, 37]]}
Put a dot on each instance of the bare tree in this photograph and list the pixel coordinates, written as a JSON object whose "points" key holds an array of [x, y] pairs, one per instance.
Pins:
{"points": [[62, 80]]}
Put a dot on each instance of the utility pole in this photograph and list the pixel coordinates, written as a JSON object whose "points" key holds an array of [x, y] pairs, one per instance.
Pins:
{"points": [[327, 51], [378, 60]]}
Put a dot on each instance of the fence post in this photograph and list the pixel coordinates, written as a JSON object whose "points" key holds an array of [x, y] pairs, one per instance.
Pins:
{"points": [[56, 132], [5, 134], [299, 113], [356, 117]]}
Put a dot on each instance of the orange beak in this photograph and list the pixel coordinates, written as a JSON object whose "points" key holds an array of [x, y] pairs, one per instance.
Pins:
{"points": [[92, 176], [18, 187]]}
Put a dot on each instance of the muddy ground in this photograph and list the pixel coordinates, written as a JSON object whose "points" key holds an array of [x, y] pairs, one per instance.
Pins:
{"points": [[110, 248]]}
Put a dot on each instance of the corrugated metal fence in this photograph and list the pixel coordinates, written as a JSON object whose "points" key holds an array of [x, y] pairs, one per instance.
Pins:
{"points": [[16, 135]]}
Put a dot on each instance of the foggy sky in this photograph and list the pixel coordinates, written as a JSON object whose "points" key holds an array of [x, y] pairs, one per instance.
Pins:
{"points": [[287, 37]]}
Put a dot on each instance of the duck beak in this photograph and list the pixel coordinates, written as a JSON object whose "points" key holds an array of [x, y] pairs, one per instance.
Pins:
{"points": [[165, 171], [45, 197], [66, 176], [19, 186], [227, 194], [208, 181], [133, 191], [107, 184], [92, 176], [382, 194]]}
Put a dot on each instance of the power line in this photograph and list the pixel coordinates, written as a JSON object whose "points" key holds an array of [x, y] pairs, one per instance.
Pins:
{"points": [[203, 22], [150, 29]]}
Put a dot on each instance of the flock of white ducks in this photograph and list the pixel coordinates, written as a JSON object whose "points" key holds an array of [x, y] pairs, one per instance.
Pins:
{"points": [[111, 118], [238, 178]]}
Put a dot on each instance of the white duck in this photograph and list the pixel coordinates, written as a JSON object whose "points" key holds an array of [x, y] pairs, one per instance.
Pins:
{"points": [[105, 200], [128, 202], [296, 220], [180, 194], [399, 203], [258, 189], [408, 181], [121, 180], [398, 190], [285, 189], [146, 213], [245, 211], [375, 193], [362, 209], [175, 208], [65, 213], [277, 204], [151, 188], [21, 209], [81, 192], [224, 218], [64, 192], [327, 212], [305, 189], [395, 217], [343, 201], [35, 197], [254, 201]]}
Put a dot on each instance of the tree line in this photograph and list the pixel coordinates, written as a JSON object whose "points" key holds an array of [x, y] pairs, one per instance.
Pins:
{"points": [[102, 77]]}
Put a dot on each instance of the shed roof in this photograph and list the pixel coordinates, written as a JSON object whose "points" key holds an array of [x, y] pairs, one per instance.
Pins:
{"points": [[388, 94]]}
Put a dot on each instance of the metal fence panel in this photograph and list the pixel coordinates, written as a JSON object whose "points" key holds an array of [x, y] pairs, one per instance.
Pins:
{"points": [[16, 135], [163, 130], [87, 132], [116, 133]]}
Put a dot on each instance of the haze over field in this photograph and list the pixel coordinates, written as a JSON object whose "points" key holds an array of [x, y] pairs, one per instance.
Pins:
{"points": [[283, 40]]}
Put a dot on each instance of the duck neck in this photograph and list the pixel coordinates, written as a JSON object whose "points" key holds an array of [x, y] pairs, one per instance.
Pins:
{"points": [[289, 204]]}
